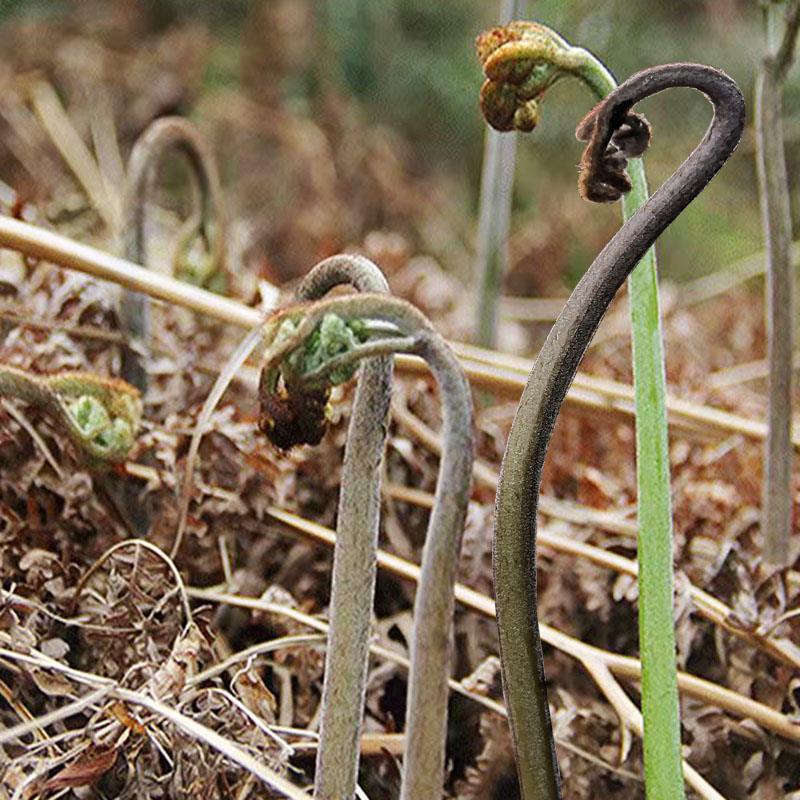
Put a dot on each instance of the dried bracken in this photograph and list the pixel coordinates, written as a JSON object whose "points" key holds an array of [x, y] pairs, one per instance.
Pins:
{"points": [[252, 578]]}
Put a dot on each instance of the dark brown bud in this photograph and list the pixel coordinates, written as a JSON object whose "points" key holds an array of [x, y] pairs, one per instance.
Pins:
{"points": [[602, 169]]}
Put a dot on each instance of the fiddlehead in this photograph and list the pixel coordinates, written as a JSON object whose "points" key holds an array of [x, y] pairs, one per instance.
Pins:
{"points": [[521, 61], [382, 325], [100, 415], [553, 371], [353, 579], [204, 268]]}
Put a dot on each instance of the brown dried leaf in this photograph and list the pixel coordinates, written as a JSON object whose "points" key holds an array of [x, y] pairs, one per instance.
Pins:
{"points": [[85, 770]]}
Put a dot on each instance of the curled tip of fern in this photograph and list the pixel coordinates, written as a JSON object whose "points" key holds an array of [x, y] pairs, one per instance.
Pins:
{"points": [[197, 262], [612, 139], [292, 414], [520, 61], [291, 418], [104, 414]]}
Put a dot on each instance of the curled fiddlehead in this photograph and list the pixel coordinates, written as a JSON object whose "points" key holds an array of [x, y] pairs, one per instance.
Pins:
{"points": [[354, 560], [301, 360], [521, 61], [203, 267], [553, 371], [100, 415]]}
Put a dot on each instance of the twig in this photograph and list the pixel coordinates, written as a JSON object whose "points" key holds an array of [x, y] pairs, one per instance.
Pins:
{"points": [[632, 718], [586, 391], [773, 183], [59, 127], [708, 606], [248, 653], [625, 666], [58, 714]]}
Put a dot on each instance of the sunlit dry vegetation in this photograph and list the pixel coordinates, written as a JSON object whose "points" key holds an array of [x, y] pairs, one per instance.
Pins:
{"points": [[198, 406]]}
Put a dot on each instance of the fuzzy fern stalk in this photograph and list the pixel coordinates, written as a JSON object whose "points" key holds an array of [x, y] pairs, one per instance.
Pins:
{"points": [[309, 349], [354, 560], [199, 257], [494, 213], [100, 415], [521, 62], [773, 185]]}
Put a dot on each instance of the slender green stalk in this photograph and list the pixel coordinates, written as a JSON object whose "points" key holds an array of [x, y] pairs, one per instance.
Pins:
{"points": [[165, 134], [100, 415], [494, 212], [521, 62], [773, 186], [354, 560], [310, 348]]}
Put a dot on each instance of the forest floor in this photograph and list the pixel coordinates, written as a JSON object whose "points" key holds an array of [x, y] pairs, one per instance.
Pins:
{"points": [[254, 567]]}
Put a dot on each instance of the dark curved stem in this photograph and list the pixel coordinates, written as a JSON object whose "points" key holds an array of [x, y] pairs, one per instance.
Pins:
{"points": [[552, 374], [353, 580], [166, 133]]}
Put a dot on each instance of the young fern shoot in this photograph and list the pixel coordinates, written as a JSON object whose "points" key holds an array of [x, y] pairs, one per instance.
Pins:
{"points": [[354, 559], [614, 134], [312, 347], [205, 269], [100, 415], [521, 62], [773, 186]]}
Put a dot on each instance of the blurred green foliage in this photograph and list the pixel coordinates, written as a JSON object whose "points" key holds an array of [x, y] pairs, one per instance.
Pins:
{"points": [[414, 67], [411, 66]]}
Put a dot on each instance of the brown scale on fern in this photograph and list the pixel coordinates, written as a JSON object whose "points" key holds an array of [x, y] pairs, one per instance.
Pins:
{"points": [[603, 178], [289, 419]]}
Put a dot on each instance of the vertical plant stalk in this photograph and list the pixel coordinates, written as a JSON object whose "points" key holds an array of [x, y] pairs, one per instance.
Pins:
{"points": [[773, 189], [494, 213], [354, 560], [168, 133], [100, 415], [521, 62], [614, 134], [289, 361]]}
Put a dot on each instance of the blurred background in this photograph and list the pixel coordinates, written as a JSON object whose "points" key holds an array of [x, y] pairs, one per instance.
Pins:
{"points": [[334, 119]]}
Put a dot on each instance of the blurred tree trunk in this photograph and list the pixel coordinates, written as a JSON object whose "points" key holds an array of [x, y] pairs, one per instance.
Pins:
{"points": [[494, 213], [777, 503], [278, 58]]}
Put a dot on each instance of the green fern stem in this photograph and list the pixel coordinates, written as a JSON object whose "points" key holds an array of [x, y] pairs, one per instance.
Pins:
{"points": [[660, 705]]}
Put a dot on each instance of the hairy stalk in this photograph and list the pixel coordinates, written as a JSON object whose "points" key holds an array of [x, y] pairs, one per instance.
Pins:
{"points": [[207, 270], [494, 212], [773, 189], [614, 134], [354, 559], [300, 360], [100, 415]]}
